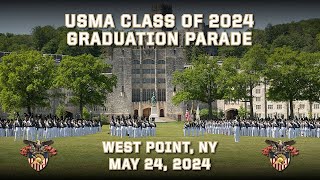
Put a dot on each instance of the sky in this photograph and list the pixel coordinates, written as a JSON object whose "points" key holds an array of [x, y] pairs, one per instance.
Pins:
{"points": [[19, 17]]}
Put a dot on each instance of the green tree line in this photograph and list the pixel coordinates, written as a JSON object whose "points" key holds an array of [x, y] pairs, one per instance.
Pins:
{"points": [[48, 40], [28, 80]]}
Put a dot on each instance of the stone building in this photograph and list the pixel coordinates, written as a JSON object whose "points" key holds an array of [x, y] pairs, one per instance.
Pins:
{"points": [[142, 72], [264, 108]]}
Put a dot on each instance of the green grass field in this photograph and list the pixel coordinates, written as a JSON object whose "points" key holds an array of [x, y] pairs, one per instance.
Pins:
{"points": [[84, 157]]}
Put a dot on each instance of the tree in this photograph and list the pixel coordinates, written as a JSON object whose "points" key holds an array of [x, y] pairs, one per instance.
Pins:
{"points": [[61, 111], [310, 65], [42, 35], [229, 81], [242, 112], [64, 48], [10, 42], [193, 52], [51, 47], [252, 67], [198, 82], [204, 113], [25, 79], [86, 114], [104, 119], [285, 76], [84, 76], [238, 77], [231, 51]]}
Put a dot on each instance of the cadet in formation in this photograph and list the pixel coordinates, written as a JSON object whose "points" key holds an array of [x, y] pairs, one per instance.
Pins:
{"points": [[47, 127], [123, 126], [273, 128], [194, 128]]}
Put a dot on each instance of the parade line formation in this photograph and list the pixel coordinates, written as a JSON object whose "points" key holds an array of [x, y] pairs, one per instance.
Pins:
{"points": [[47, 127], [275, 128]]}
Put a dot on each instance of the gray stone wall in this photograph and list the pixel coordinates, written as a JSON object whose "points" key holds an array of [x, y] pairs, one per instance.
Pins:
{"points": [[121, 103], [175, 61]]}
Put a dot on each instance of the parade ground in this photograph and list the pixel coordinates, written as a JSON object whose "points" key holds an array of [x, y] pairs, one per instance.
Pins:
{"points": [[83, 156]]}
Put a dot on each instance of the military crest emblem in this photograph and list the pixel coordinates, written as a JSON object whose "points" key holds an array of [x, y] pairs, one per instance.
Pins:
{"points": [[38, 153], [280, 153]]}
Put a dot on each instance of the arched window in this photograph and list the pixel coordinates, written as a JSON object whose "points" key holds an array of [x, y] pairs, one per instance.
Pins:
{"points": [[136, 113], [161, 113]]}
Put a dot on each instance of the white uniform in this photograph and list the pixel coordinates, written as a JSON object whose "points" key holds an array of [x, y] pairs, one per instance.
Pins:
{"points": [[236, 128]]}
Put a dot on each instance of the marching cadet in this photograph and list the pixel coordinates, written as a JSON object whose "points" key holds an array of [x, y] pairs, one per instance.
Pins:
{"points": [[140, 127], [69, 130], [47, 129], [302, 129], [129, 127], [2, 132], [58, 128], [196, 128], [291, 130], [318, 129], [262, 128], [122, 127], [282, 127], [268, 129], [307, 129], [29, 130], [99, 126], [135, 129], [153, 128], [255, 129], [312, 129], [202, 128], [17, 129], [39, 129], [67, 126], [143, 129], [7, 128], [148, 129], [207, 127], [214, 127], [249, 125], [23, 128], [243, 128], [191, 128], [185, 128], [54, 128], [275, 129], [219, 127], [112, 128], [118, 127], [73, 126], [297, 128], [84, 128], [236, 129], [79, 129]]}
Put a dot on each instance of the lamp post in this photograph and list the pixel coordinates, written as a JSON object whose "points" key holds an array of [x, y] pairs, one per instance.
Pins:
{"points": [[90, 115]]}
